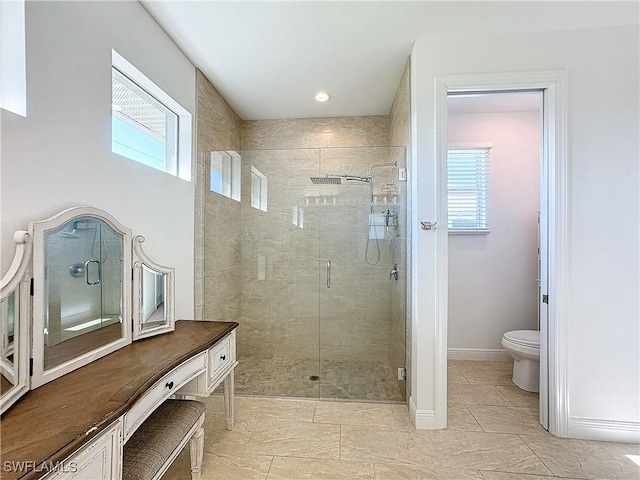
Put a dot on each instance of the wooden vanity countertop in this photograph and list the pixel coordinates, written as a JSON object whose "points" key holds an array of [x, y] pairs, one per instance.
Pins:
{"points": [[51, 422]]}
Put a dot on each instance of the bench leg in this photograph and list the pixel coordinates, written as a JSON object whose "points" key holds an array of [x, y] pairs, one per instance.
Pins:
{"points": [[196, 449], [229, 391]]}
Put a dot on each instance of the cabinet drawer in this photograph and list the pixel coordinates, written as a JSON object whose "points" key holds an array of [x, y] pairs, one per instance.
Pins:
{"points": [[222, 358], [219, 357], [161, 390]]}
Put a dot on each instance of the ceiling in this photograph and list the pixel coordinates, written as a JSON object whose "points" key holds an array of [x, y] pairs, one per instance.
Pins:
{"points": [[268, 58]]}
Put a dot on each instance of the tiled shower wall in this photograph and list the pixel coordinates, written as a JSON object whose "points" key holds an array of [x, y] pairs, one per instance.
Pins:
{"points": [[400, 135], [361, 315], [217, 269]]}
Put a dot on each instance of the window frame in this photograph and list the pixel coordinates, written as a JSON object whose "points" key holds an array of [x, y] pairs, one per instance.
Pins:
{"points": [[182, 167], [230, 173], [259, 197], [480, 190]]}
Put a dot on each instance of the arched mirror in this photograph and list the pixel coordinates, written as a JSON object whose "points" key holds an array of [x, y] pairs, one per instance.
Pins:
{"points": [[81, 304], [153, 292], [14, 324]]}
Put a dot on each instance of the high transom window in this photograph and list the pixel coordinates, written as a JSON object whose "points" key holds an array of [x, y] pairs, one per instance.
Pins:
{"points": [[147, 125]]}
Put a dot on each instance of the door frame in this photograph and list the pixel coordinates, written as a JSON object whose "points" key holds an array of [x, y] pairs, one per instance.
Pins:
{"points": [[553, 337]]}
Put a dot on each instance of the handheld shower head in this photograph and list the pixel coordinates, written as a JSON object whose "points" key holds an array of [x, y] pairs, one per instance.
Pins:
{"points": [[356, 178]]}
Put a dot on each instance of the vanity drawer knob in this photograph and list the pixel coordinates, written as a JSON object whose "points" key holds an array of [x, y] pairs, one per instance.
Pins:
{"points": [[169, 385], [223, 357]]}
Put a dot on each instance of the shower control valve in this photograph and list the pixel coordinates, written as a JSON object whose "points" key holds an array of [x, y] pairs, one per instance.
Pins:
{"points": [[394, 273]]}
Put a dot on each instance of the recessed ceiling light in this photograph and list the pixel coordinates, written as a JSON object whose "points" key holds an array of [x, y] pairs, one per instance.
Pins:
{"points": [[323, 96]]}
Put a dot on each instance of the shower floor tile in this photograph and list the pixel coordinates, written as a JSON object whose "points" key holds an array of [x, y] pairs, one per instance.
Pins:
{"points": [[340, 379]]}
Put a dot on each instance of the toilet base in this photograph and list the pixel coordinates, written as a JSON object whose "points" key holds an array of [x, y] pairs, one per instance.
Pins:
{"points": [[526, 375]]}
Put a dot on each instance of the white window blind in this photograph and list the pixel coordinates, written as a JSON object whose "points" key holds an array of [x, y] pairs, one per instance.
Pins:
{"points": [[467, 188]]}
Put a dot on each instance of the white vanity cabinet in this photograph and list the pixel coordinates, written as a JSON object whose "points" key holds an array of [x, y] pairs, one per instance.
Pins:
{"points": [[53, 426], [75, 298], [221, 362], [99, 460]]}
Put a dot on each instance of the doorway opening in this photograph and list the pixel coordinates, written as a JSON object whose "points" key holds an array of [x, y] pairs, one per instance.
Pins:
{"points": [[497, 252]]}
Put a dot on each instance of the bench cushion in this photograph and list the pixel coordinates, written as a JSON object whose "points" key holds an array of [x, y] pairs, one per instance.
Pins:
{"points": [[156, 439]]}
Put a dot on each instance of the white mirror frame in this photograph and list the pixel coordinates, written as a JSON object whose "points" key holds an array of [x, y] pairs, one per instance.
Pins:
{"points": [[17, 279], [140, 259], [37, 230]]}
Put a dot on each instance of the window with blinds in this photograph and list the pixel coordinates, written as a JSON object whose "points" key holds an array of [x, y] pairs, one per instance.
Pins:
{"points": [[467, 189]]}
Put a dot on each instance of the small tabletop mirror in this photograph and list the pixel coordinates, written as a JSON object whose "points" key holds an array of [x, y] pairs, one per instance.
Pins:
{"points": [[14, 324], [153, 292], [81, 304]]}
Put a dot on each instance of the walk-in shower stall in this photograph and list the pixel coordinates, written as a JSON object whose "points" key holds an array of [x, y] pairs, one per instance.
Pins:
{"points": [[315, 268]]}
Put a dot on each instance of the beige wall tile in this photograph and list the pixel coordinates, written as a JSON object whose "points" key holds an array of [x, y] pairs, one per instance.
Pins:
{"points": [[315, 133]]}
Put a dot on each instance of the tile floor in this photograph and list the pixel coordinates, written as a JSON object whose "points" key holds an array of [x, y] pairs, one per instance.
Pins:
{"points": [[493, 434]]}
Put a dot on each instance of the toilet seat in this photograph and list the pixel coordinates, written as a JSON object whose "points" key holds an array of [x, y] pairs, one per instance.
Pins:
{"points": [[524, 338]]}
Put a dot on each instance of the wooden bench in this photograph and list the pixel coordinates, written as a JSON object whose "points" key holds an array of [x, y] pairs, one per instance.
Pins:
{"points": [[157, 442]]}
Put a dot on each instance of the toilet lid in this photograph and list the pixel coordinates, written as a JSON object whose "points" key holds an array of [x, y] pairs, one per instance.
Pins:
{"points": [[530, 338]]}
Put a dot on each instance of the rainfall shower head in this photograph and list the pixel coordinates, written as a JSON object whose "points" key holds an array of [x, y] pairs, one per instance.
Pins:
{"points": [[326, 180]]}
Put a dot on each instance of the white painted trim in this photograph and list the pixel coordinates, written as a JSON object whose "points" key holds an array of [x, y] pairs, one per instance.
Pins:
{"points": [[480, 354], [442, 256], [422, 419], [604, 430], [553, 84]]}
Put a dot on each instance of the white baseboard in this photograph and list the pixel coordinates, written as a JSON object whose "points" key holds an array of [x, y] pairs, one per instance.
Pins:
{"points": [[494, 354], [422, 419], [604, 430]]}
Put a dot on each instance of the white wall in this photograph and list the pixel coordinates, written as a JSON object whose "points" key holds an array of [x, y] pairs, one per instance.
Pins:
{"points": [[60, 154], [492, 278], [603, 293]]}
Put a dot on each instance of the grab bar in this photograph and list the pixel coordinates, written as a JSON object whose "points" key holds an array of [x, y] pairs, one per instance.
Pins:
{"points": [[86, 272], [328, 273]]}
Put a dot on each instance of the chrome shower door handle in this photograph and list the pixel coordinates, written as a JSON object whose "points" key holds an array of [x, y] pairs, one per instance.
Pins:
{"points": [[86, 272], [328, 273]]}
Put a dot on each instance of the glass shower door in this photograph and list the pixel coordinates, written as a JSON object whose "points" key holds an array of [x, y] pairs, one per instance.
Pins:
{"points": [[278, 248], [359, 329]]}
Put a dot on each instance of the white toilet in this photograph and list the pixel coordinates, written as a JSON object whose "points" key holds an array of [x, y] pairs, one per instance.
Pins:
{"points": [[524, 347]]}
